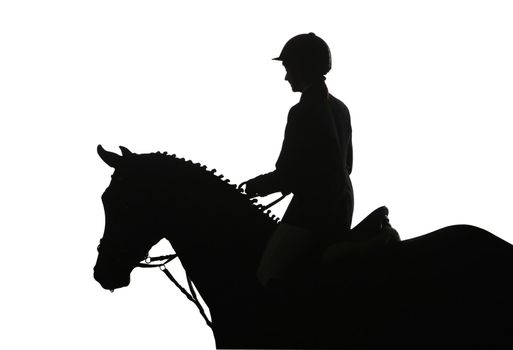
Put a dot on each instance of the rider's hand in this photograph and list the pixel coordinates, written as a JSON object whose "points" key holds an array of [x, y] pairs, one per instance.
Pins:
{"points": [[256, 187]]}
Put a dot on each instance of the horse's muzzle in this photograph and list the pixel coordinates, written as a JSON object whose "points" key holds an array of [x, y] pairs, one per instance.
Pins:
{"points": [[111, 281]]}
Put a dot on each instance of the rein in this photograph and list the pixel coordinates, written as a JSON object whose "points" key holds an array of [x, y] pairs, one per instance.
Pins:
{"points": [[190, 295], [274, 202]]}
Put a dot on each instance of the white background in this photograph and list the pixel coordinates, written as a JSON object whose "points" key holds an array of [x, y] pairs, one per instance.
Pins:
{"points": [[429, 88]]}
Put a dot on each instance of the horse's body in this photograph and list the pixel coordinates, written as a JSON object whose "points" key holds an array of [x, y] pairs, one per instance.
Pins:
{"points": [[444, 289]]}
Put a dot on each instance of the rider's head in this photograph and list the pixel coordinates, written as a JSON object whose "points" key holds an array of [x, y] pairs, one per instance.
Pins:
{"points": [[306, 58]]}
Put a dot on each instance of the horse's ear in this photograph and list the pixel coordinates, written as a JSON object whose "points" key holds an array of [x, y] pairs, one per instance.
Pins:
{"points": [[125, 151], [110, 158]]}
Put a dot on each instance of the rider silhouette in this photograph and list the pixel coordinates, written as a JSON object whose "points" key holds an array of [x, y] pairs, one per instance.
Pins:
{"points": [[314, 164]]}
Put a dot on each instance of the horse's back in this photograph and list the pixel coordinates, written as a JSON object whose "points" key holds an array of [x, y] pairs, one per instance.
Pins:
{"points": [[454, 284], [461, 256]]}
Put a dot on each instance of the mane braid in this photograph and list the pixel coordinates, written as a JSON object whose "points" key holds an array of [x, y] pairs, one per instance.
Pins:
{"points": [[171, 163]]}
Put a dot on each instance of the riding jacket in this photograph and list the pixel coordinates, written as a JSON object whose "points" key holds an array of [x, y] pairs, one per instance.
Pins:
{"points": [[315, 162]]}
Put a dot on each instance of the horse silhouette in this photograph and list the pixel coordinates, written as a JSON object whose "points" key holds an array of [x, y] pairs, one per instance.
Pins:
{"points": [[450, 288]]}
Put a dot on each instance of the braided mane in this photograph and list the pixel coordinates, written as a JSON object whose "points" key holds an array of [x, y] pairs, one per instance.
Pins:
{"points": [[185, 174]]}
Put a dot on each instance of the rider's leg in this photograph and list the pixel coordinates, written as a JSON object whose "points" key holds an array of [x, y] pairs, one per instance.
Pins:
{"points": [[286, 253]]}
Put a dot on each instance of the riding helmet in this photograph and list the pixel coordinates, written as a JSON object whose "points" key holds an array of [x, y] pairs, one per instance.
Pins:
{"points": [[309, 52]]}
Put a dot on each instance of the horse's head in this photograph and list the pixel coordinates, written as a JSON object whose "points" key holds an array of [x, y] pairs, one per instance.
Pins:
{"points": [[132, 220]]}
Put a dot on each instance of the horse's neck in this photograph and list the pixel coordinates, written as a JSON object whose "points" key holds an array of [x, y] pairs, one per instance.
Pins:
{"points": [[220, 246]]}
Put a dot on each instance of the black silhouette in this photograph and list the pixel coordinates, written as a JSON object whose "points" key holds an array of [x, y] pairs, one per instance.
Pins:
{"points": [[447, 289], [316, 157], [314, 164]]}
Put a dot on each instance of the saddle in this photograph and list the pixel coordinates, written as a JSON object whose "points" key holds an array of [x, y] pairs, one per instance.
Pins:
{"points": [[371, 233]]}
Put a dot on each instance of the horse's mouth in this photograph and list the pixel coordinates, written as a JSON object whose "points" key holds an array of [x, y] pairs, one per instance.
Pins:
{"points": [[111, 281]]}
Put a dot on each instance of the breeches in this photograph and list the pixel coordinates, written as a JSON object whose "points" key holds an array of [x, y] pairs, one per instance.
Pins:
{"points": [[287, 252], [328, 216]]}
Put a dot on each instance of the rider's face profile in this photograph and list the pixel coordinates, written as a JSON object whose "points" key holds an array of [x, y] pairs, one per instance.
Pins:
{"points": [[294, 77]]}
